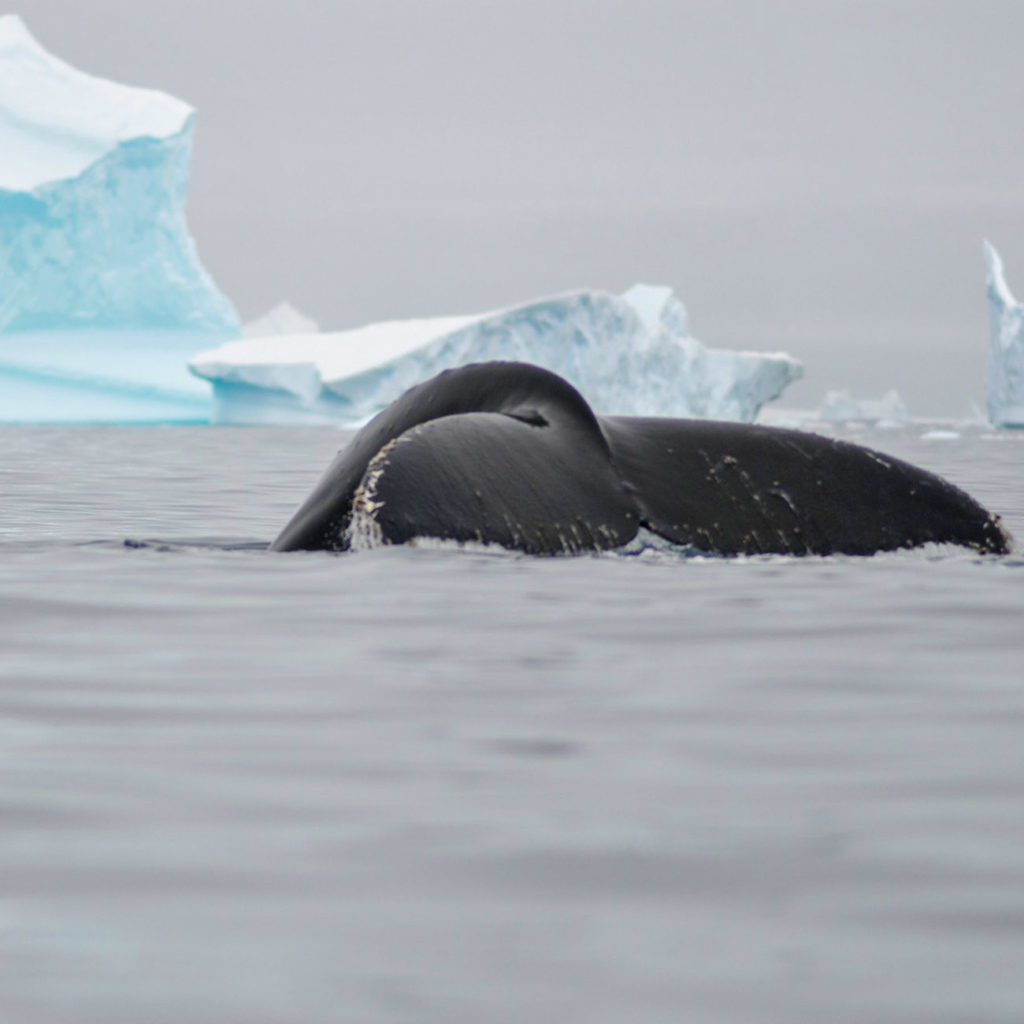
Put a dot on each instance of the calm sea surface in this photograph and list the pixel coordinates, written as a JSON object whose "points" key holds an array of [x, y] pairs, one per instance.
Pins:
{"points": [[438, 786]]}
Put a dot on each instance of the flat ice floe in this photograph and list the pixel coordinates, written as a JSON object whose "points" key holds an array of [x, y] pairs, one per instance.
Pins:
{"points": [[629, 354], [94, 376]]}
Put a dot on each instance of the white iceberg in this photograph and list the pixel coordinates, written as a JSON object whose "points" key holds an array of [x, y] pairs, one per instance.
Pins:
{"points": [[92, 194], [629, 354], [841, 406], [1005, 384], [284, 318]]}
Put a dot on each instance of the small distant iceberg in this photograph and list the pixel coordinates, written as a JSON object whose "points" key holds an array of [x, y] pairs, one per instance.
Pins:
{"points": [[284, 318], [842, 407], [1005, 382], [630, 354]]}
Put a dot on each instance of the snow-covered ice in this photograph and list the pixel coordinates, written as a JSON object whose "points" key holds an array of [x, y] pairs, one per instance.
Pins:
{"points": [[1005, 384], [627, 354], [841, 406], [92, 194]]}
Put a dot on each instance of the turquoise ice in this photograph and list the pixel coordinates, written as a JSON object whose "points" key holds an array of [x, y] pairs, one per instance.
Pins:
{"points": [[92, 195], [102, 295]]}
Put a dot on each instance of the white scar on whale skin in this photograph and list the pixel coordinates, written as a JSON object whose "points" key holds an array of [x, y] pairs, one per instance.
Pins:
{"points": [[364, 532]]}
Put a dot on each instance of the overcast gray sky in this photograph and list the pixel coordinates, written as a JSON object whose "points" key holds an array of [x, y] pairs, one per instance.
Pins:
{"points": [[815, 175]]}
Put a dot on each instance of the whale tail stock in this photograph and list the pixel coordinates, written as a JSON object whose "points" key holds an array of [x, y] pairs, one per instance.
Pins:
{"points": [[511, 454]]}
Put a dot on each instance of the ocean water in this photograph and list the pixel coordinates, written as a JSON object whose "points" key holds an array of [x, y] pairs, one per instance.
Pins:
{"points": [[418, 785]]}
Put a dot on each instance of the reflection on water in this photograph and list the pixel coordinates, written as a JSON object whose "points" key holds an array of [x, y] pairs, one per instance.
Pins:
{"points": [[418, 785]]}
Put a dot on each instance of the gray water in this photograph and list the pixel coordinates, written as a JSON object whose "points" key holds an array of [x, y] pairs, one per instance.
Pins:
{"points": [[423, 785]]}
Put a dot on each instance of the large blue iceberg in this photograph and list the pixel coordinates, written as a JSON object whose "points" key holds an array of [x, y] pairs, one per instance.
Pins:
{"points": [[92, 201], [104, 303], [628, 354], [1005, 384], [102, 296]]}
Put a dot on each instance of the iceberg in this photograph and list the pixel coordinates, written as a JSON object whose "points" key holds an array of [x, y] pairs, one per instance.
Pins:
{"points": [[92, 193], [1005, 383], [841, 406], [629, 354], [284, 318]]}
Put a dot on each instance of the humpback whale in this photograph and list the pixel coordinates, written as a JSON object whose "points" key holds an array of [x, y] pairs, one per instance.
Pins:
{"points": [[511, 454]]}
